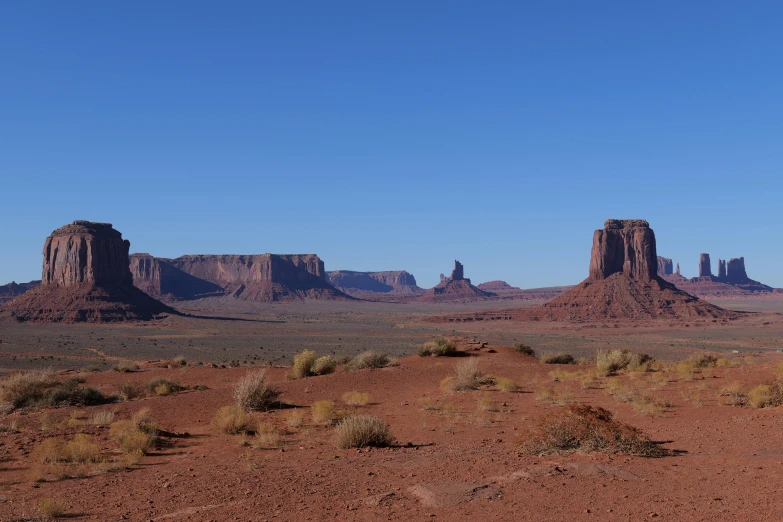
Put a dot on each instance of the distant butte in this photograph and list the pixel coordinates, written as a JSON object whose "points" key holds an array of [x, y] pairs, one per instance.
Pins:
{"points": [[362, 284], [456, 288], [85, 278], [732, 280]]}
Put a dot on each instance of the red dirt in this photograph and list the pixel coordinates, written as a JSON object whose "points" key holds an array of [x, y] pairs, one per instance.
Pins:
{"points": [[461, 464]]}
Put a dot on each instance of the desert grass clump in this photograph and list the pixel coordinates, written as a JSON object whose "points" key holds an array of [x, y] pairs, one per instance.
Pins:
{"points": [[303, 365], [370, 359], [359, 431], [102, 418], [42, 388], [81, 449], [127, 391], [322, 412], [231, 420], [609, 362], [523, 348], [163, 387], [487, 404], [586, 429], [267, 436], [549, 395], [179, 360], [136, 436], [440, 347], [51, 508], [766, 395], [590, 380], [294, 418], [125, 366], [732, 395], [557, 358], [253, 392], [505, 384], [467, 376], [427, 403], [324, 365], [355, 398]]}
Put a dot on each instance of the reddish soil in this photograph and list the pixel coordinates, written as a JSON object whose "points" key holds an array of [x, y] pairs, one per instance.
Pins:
{"points": [[462, 463]]}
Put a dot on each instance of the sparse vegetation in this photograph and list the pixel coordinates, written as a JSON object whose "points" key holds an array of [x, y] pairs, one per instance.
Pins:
{"points": [[732, 395], [51, 508], [609, 362], [127, 391], [354, 398], [359, 431], [427, 403], [467, 376], [487, 404], [440, 347], [163, 387], [324, 365], [267, 436], [369, 359], [586, 429], [179, 360], [523, 348], [558, 358], [294, 418], [253, 392], [505, 384], [125, 366], [104, 417], [548, 395], [322, 412], [231, 420], [766, 395], [308, 364], [43, 388]]}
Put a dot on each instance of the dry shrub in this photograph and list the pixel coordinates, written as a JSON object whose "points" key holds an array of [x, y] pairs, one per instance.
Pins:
{"points": [[137, 435], [732, 395], [294, 418], [523, 348], [322, 412], [360, 431], [79, 450], [467, 376], [324, 365], [267, 436], [104, 417], [648, 405], [590, 380], [51, 508], [440, 347], [179, 360], [163, 387], [369, 359], [559, 374], [487, 404], [557, 358], [125, 366], [548, 395], [43, 388], [505, 384], [355, 398], [253, 392], [427, 403], [127, 391], [609, 362], [659, 379], [766, 395], [303, 365], [231, 420], [586, 429]]}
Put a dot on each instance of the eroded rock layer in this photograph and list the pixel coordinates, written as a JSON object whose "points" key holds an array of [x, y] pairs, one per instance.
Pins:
{"points": [[85, 277]]}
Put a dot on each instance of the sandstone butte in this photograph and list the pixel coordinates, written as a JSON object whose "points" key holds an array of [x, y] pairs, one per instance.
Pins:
{"points": [[456, 288], [398, 282], [261, 277], [85, 277], [732, 280]]}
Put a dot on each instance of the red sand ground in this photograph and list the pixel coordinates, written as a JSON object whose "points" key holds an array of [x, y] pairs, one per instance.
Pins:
{"points": [[461, 464]]}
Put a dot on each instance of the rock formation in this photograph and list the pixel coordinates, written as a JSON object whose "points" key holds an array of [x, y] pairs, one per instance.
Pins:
{"points": [[721, 269], [665, 266], [14, 289], [159, 278], [85, 277], [397, 282], [705, 266], [678, 269], [735, 271], [262, 277], [623, 283], [457, 288]]}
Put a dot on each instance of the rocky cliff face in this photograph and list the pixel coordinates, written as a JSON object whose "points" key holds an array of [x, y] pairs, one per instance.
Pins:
{"points": [[14, 289], [705, 266], [160, 279], [364, 283], [262, 277], [85, 277], [624, 246], [665, 266], [721, 269]]}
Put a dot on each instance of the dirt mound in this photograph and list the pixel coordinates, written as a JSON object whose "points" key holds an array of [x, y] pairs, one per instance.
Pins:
{"points": [[85, 277]]}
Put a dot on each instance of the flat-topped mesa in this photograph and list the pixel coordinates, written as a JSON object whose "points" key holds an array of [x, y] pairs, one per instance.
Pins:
{"points": [[665, 266], [86, 253], [626, 246], [705, 266], [391, 282], [735, 270]]}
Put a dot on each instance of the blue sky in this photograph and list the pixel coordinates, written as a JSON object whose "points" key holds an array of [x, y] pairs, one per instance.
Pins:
{"points": [[395, 135]]}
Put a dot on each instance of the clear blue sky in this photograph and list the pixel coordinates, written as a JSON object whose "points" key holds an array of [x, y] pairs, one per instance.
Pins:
{"points": [[395, 135]]}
